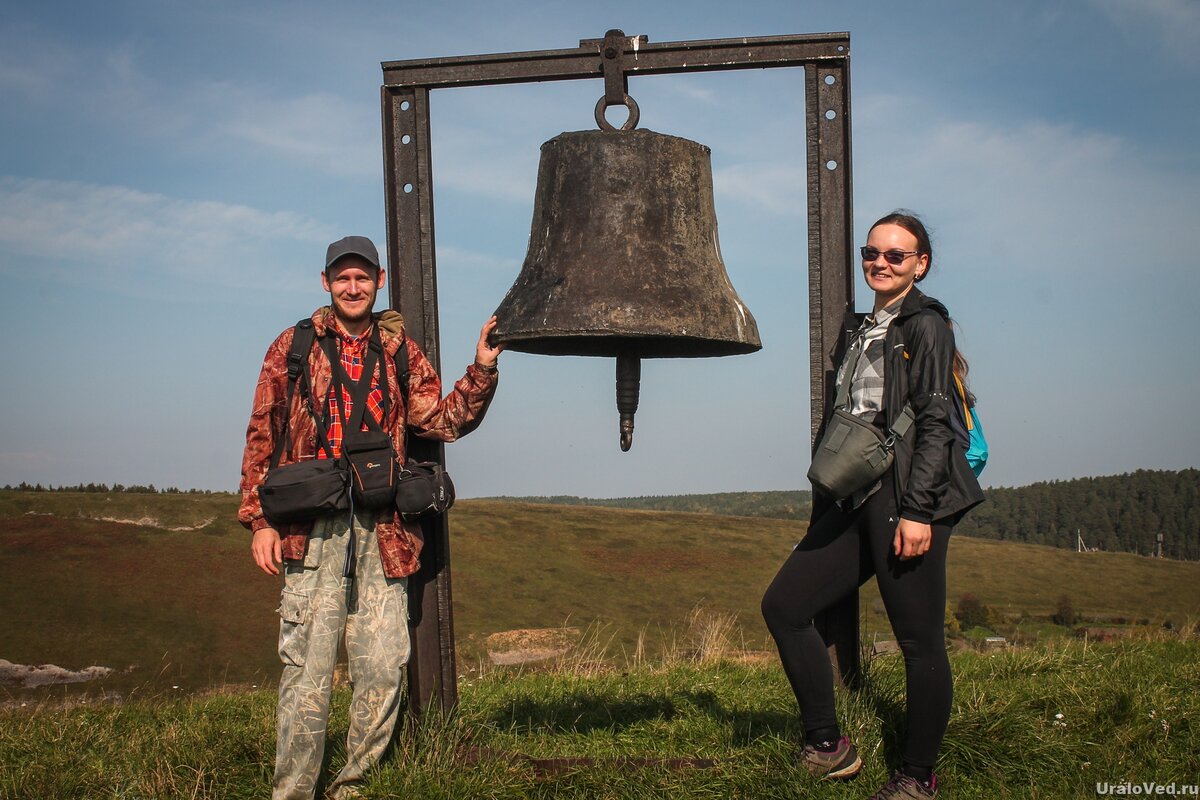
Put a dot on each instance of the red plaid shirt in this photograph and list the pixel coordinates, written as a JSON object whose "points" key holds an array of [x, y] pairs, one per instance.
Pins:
{"points": [[353, 350]]}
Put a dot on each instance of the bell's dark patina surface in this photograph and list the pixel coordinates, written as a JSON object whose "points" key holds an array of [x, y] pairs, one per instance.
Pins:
{"points": [[624, 259], [623, 254]]}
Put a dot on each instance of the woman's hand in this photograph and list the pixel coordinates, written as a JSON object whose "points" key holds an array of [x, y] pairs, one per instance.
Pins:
{"points": [[912, 539], [485, 353]]}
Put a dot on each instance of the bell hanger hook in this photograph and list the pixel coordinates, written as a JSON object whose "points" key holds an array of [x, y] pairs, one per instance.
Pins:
{"points": [[616, 82]]}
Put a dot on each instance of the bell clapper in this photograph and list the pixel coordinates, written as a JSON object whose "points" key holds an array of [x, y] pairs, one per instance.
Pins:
{"points": [[629, 382]]}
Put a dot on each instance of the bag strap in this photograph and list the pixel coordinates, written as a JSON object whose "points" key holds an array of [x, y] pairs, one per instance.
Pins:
{"points": [[968, 417], [904, 421], [903, 424], [400, 361], [359, 390], [842, 398]]}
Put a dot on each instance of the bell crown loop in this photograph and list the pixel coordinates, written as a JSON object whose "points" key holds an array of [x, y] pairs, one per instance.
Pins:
{"points": [[603, 105]]}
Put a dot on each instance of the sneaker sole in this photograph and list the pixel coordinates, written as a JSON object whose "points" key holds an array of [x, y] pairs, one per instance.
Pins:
{"points": [[845, 773]]}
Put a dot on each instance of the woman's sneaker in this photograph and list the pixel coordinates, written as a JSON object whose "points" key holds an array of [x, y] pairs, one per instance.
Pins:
{"points": [[906, 787], [841, 763]]}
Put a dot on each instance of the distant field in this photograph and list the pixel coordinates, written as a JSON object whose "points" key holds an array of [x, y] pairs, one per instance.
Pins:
{"points": [[188, 608]]}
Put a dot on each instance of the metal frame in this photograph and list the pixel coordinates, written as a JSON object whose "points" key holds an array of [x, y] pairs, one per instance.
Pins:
{"points": [[412, 270]]}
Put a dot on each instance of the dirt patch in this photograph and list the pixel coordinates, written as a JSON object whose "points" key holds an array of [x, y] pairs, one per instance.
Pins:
{"points": [[141, 522], [527, 645], [27, 676]]}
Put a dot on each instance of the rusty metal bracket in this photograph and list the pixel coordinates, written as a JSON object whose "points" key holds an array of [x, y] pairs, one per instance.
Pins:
{"points": [[616, 83]]}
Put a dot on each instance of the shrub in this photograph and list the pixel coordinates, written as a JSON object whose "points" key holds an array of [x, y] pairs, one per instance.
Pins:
{"points": [[972, 613], [951, 622], [1064, 613]]}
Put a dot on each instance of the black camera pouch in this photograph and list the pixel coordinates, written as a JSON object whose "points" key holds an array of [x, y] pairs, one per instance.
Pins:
{"points": [[372, 465]]}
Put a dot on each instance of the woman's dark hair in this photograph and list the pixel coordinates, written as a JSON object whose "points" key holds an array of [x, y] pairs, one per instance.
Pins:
{"points": [[912, 223]]}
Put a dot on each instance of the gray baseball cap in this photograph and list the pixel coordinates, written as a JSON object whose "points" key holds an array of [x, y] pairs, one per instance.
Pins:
{"points": [[352, 246]]}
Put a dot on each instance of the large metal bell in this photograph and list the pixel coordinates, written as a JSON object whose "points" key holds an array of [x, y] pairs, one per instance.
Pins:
{"points": [[624, 260]]}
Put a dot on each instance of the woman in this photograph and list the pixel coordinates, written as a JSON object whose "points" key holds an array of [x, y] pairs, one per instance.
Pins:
{"points": [[896, 530]]}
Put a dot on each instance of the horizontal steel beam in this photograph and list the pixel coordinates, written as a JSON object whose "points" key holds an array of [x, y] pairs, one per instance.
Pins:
{"points": [[640, 59]]}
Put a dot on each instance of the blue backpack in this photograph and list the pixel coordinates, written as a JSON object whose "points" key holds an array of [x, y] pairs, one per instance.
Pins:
{"points": [[970, 431]]}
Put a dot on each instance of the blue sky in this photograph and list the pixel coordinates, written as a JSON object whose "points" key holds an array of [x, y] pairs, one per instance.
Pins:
{"points": [[170, 174]]}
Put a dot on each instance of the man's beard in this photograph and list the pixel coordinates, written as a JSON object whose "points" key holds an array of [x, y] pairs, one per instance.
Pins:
{"points": [[343, 314]]}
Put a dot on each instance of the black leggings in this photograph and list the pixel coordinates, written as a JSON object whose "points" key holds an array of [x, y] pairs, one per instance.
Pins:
{"points": [[840, 553]]}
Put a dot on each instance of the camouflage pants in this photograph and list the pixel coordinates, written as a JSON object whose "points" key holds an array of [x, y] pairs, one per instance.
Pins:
{"points": [[317, 605]]}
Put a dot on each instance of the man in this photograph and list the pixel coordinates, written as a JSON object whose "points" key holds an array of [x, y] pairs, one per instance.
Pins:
{"points": [[319, 604]]}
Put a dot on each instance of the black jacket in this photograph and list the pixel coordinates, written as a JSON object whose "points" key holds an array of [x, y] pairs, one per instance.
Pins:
{"points": [[932, 478]]}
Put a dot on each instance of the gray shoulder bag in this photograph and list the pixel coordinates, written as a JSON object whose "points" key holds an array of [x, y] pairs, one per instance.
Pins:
{"points": [[853, 453]]}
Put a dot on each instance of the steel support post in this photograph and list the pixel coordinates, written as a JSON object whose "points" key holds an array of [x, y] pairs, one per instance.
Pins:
{"points": [[830, 287], [412, 273]]}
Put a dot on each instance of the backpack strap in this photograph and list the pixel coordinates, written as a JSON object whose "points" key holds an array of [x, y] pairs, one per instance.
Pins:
{"points": [[303, 336], [400, 359], [966, 406]]}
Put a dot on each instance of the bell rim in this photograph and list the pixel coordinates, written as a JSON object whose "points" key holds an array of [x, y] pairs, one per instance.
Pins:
{"points": [[609, 344]]}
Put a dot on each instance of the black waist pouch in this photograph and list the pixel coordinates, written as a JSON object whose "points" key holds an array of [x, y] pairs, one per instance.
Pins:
{"points": [[424, 490], [372, 464], [304, 490]]}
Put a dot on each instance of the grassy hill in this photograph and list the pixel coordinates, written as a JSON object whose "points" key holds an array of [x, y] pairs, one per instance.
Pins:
{"points": [[92, 578], [776, 505]]}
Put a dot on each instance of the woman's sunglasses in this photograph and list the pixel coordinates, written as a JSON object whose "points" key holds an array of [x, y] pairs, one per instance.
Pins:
{"points": [[893, 257]]}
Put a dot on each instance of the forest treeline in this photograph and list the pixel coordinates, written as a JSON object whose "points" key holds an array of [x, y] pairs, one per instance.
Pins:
{"points": [[1117, 513], [104, 488]]}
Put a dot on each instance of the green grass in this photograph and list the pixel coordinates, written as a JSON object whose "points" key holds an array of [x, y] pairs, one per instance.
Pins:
{"points": [[188, 608], [1129, 712]]}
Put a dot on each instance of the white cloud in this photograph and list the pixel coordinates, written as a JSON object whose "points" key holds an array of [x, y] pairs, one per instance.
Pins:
{"points": [[28, 72], [107, 85], [771, 186], [485, 165], [1174, 23], [1033, 192], [136, 232], [692, 91], [320, 131], [459, 258]]}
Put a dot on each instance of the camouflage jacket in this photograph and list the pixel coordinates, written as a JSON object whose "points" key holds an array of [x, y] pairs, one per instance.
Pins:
{"points": [[429, 416]]}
